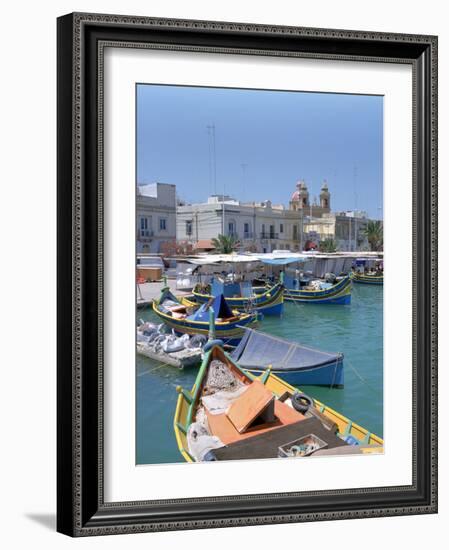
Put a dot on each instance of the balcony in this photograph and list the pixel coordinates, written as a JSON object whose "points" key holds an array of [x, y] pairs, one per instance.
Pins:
{"points": [[144, 234], [248, 235], [269, 235]]}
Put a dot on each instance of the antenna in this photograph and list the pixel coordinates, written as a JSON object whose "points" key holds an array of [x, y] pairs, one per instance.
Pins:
{"points": [[243, 166], [212, 156]]}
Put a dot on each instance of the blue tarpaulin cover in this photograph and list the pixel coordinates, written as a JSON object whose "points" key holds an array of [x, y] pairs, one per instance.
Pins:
{"points": [[257, 350], [221, 310]]}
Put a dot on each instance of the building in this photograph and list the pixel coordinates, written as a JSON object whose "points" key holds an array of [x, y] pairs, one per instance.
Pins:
{"points": [[155, 216], [347, 229], [300, 200], [264, 227], [260, 227]]}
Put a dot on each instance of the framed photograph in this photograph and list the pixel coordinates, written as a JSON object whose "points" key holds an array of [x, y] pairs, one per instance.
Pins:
{"points": [[247, 291]]}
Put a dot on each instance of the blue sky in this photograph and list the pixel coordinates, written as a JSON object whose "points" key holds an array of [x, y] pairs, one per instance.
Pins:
{"points": [[280, 137]]}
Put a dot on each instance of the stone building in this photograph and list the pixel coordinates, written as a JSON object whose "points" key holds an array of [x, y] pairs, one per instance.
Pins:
{"points": [[264, 227], [346, 228], [260, 227], [155, 216]]}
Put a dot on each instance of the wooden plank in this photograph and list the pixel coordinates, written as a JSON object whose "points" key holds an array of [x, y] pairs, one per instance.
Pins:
{"points": [[249, 406]]}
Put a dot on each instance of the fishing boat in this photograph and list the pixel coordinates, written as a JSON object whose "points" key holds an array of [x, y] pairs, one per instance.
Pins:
{"points": [[231, 414], [242, 296], [185, 317], [368, 278], [292, 362], [317, 291], [156, 343]]}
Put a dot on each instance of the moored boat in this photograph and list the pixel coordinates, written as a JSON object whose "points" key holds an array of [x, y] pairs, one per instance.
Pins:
{"points": [[241, 296], [321, 292], [368, 278], [230, 414], [185, 317], [292, 362]]}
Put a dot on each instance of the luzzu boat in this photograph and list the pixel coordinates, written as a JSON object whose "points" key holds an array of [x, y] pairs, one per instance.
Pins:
{"points": [[321, 292], [368, 279], [242, 297], [185, 317], [294, 363], [230, 414]]}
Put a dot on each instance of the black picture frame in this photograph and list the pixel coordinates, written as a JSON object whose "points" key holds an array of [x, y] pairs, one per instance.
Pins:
{"points": [[81, 509]]}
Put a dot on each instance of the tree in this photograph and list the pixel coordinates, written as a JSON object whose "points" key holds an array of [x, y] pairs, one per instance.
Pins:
{"points": [[374, 232], [225, 244], [328, 245]]}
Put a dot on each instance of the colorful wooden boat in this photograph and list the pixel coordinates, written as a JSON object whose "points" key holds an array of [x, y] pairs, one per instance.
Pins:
{"points": [[257, 417], [337, 293], [241, 296], [367, 279], [184, 317], [294, 363]]}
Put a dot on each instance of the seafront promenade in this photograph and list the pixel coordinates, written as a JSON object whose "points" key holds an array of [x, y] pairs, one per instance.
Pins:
{"points": [[147, 292]]}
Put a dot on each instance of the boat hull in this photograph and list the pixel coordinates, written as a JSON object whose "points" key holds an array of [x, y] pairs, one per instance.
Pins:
{"points": [[368, 280], [269, 302], [230, 333], [187, 404], [330, 374], [339, 293]]}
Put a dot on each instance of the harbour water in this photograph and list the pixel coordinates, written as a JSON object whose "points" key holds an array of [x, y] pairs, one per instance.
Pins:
{"points": [[355, 329]]}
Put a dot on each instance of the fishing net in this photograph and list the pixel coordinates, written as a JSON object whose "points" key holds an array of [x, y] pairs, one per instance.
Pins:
{"points": [[220, 377], [222, 387]]}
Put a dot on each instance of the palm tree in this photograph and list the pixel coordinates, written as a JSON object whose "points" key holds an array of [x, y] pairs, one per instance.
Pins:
{"points": [[225, 244], [374, 232], [328, 245]]}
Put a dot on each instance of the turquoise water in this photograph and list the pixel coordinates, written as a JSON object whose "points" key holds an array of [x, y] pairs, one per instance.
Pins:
{"points": [[355, 329]]}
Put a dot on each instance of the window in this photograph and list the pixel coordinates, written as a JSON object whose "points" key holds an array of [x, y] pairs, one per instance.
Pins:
{"points": [[162, 224], [263, 232], [144, 227], [295, 232], [188, 227], [281, 228], [246, 230], [231, 228]]}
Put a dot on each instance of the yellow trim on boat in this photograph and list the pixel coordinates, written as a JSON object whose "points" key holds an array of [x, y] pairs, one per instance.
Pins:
{"points": [[278, 386]]}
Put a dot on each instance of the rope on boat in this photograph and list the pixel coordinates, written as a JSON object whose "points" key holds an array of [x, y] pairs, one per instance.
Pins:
{"points": [[296, 302], [360, 377], [151, 370]]}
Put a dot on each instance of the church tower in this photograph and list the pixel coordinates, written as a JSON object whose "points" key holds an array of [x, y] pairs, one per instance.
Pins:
{"points": [[325, 197], [300, 198]]}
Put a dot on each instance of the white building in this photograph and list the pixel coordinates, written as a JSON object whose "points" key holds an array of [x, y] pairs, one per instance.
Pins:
{"points": [[260, 227], [347, 229], [155, 216]]}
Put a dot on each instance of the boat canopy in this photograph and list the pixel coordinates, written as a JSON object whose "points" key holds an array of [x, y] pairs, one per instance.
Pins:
{"points": [[221, 310], [213, 259], [231, 289], [258, 350], [281, 261]]}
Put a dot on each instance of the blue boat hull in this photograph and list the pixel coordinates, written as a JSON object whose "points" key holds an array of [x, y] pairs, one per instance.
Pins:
{"points": [[268, 302], [368, 282], [340, 293], [330, 374]]}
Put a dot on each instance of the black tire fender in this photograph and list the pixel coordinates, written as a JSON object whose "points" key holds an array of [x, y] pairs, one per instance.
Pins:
{"points": [[301, 402]]}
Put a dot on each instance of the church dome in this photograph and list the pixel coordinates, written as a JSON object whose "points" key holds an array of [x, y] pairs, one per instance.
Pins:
{"points": [[300, 186]]}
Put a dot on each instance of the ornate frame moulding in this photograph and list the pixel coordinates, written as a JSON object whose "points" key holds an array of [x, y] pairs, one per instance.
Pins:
{"points": [[81, 42]]}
